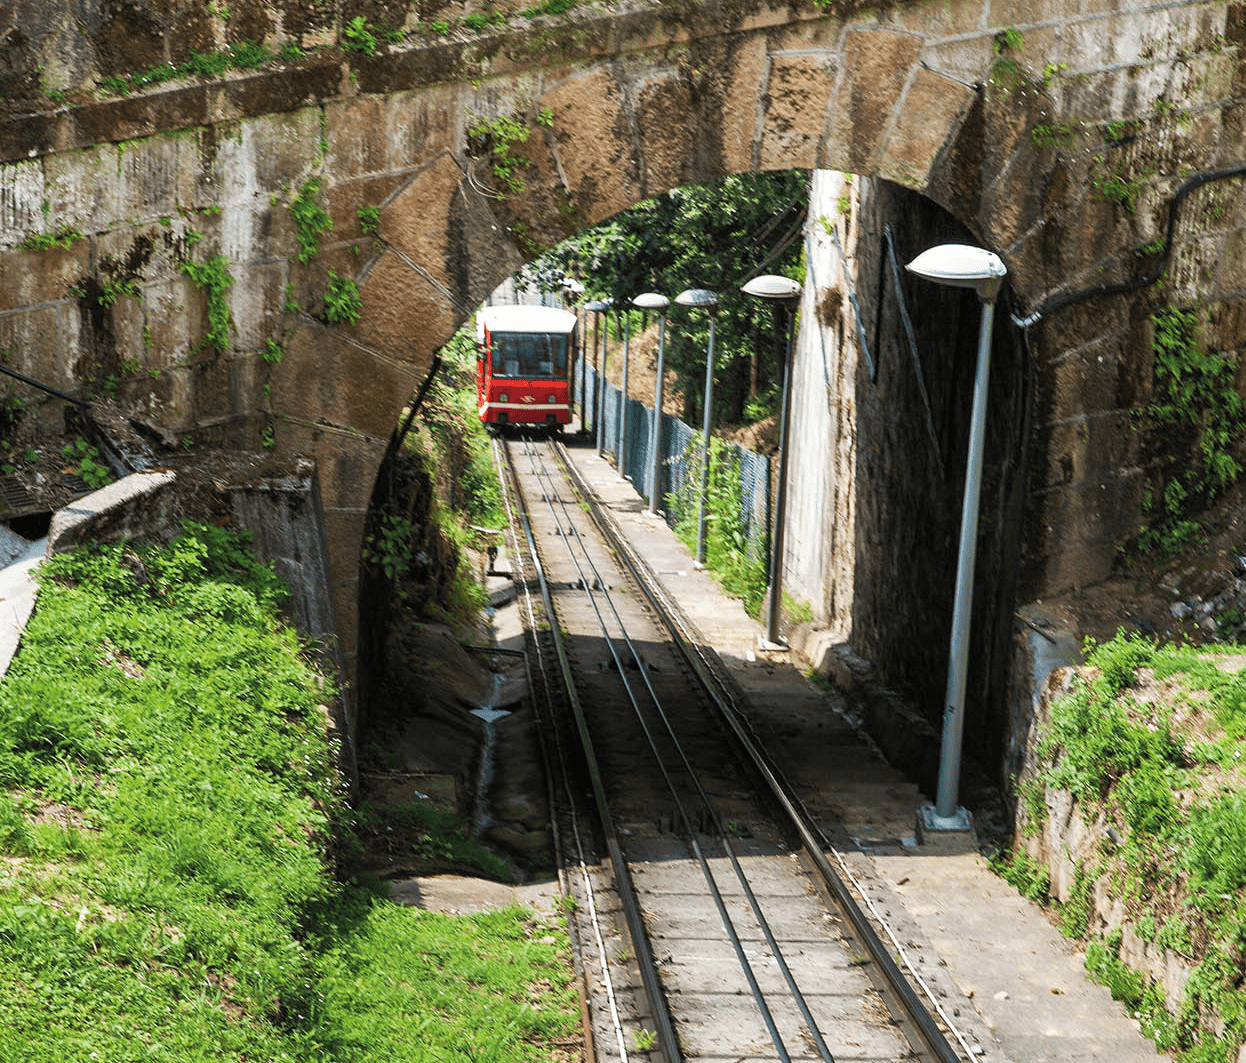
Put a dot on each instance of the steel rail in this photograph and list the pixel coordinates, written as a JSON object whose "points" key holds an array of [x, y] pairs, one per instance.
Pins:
{"points": [[546, 689], [916, 1012], [667, 1040], [706, 871], [720, 830]]}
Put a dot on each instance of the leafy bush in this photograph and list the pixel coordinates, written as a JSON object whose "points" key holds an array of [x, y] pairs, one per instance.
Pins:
{"points": [[739, 564]]}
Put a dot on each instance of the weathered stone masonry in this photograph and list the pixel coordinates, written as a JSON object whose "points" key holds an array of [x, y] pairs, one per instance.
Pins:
{"points": [[950, 100]]}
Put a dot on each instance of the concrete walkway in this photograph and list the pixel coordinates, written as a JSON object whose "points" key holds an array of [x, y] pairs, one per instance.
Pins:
{"points": [[1012, 986]]}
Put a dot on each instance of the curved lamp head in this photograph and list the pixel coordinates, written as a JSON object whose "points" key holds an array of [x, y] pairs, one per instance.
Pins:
{"points": [[700, 298], [961, 266], [651, 301], [598, 305], [770, 286]]}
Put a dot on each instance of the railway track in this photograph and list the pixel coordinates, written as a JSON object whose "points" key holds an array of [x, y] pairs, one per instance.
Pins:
{"points": [[716, 927]]}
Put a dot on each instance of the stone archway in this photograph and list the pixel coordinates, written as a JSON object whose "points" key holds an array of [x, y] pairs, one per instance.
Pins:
{"points": [[1056, 140]]}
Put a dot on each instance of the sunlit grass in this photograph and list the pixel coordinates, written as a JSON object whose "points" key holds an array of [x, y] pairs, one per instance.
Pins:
{"points": [[168, 814]]}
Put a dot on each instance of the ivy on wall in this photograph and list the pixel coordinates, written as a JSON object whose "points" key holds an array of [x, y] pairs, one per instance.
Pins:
{"points": [[1194, 390]]}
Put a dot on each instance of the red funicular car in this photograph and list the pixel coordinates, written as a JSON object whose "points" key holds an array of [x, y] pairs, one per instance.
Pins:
{"points": [[524, 365]]}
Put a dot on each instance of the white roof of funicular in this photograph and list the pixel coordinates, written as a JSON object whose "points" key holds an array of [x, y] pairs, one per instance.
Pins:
{"points": [[526, 319]]}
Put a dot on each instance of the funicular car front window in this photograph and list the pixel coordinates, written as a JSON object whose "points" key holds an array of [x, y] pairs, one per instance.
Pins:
{"points": [[530, 354]]}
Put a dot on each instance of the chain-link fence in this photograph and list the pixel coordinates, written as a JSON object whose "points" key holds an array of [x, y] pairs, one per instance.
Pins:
{"points": [[680, 460]]}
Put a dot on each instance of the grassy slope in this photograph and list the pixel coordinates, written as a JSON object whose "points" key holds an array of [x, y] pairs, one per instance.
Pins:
{"points": [[1151, 742], [167, 801]]}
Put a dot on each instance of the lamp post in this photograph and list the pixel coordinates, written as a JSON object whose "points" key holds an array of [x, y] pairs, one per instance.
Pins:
{"points": [[705, 300], [962, 266], [598, 307], [784, 293], [600, 408], [621, 450], [659, 303], [572, 290]]}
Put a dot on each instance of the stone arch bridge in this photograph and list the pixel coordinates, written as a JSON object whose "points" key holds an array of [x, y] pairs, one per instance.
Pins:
{"points": [[1053, 131]]}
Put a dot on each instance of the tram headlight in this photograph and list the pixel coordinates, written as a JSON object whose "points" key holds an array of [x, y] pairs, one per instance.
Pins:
{"points": [[504, 397], [551, 399]]}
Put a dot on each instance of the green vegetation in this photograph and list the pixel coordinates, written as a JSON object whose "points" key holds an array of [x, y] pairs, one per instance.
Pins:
{"points": [[244, 55], [388, 545], [357, 36], [64, 237], [169, 817], [214, 279], [549, 7], [1165, 772], [496, 137], [1194, 393], [87, 463], [1054, 135], [482, 20], [113, 289], [701, 236], [1111, 186], [369, 220], [739, 565], [1007, 46], [310, 220], [342, 303], [448, 451], [1008, 40]]}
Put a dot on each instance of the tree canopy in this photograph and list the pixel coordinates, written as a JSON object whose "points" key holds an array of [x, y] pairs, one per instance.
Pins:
{"points": [[715, 236]]}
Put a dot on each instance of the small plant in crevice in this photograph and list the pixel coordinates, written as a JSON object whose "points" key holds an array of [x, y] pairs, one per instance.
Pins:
{"points": [[342, 303], [310, 220], [86, 462], [388, 546], [357, 36], [549, 7], [369, 220], [214, 280], [496, 138], [1007, 46], [1112, 186], [64, 238]]}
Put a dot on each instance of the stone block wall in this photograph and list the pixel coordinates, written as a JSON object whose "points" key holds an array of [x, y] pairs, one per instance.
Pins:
{"points": [[1054, 133]]}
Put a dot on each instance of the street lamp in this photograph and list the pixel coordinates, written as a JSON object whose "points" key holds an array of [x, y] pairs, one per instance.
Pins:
{"points": [[621, 450], [572, 290], [961, 266], [784, 293], [659, 303], [598, 307], [704, 300], [599, 409]]}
